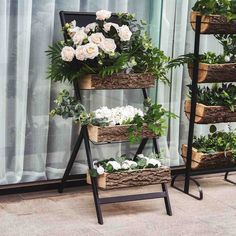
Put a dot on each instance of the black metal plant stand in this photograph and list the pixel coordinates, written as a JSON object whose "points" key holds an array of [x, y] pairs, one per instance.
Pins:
{"points": [[83, 136], [188, 171]]}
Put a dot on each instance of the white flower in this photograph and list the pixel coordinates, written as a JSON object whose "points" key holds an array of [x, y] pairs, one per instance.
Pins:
{"points": [[67, 53], [79, 36], [124, 33], [91, 50], [132, 164], [96, 38], [103, 15], [153, 162], [115, 165], [100, 170], [107, 26], [95, 164], [227, 58], [80, 53], [125, 166], [108, 45], [90, 27]]}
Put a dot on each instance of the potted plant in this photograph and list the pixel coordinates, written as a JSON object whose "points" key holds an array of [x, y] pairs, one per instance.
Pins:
{"points": [[116, 124], [124, 172], [215, 150], [108, 55], [217, 17], [214, 105]]}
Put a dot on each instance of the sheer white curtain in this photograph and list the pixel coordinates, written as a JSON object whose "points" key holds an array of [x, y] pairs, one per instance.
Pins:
{"points": [[33, 146]]}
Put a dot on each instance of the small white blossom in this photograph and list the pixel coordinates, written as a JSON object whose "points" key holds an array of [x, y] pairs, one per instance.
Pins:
{"points": [[90, 27], [95, 164], [96, 38], [67, 53], [124, 33], [130, 163], [227, 58], [100, 170], [115, 165], [79, 36], [80, 53], [91, 50], [103, 15], [125, 166], [107, 26], [153, 162], [108, 45]]}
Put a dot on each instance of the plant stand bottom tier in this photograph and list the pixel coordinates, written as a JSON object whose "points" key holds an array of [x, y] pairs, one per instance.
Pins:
{"points": [[133, 178], [210, 114], [205, 160], [114, 133]]}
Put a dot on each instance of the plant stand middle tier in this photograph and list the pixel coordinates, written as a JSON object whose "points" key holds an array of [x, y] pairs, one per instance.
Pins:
{"points": [[210, 114], [114, 133], [214, 73]]}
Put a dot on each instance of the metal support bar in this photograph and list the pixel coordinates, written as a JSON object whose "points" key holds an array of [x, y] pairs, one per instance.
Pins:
{"points": [[166, 199], [141, 147], [228, 180]]}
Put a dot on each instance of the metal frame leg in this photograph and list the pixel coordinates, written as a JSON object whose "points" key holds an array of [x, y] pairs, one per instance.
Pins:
{"points": [[93, 180], [141, 147], [228, 180], [70, 163], [166, 199]]}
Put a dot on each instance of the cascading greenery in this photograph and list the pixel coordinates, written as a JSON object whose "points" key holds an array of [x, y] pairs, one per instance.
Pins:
{"points": [[224, 95]]}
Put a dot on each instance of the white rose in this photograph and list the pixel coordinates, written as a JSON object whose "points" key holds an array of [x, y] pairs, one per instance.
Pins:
{"points": [[125, 166], [91, 50], [80, 53], [107, 26], [103, 15], [227, 58], [108, 45], [153, 162], [96, 38], [79, 36], [124, 33], [67, 53], [90, 27], [115, 165], [100, 170]]}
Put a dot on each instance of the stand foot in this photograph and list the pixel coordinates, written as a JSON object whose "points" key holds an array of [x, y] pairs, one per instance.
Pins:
{"points": [[228, 180], [60, 188], [167, 199], [181, 190]]}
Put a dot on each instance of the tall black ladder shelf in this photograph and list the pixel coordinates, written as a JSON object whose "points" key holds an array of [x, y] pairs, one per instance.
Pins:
{"points": [[188, 171], [82, 20]]}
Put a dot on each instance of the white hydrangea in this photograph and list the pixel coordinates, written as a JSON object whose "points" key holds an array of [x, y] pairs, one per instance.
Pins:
{"points": [[117, 115], [67, 53], [103, 15], [96, 38], [80, 53], [116, 165], [91, 50], [107, 26], [90, 27], [100, 170], [79, 36], [124, 33], [108, 45]]}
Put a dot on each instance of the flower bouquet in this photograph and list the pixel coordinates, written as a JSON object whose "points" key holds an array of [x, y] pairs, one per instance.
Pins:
{"points": [[107, 54], [123, 172]]}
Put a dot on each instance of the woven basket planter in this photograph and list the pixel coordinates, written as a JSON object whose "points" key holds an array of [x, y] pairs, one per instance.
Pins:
{"points": [[133, 178], [214, 73], [117, 81], [213, 24], [210, 114], [204, 160], [114, 133]]}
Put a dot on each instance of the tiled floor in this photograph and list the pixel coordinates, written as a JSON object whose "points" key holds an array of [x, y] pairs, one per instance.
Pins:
{"points": [[73, 213]]}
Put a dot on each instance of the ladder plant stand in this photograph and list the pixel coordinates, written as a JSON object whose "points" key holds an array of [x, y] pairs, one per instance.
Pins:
{"points": [[106, 135], [198, 163]]}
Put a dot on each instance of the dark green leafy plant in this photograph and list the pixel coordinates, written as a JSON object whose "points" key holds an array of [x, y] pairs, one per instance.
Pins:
{"points": [[219, 7], [216, 141], [224, 95]]}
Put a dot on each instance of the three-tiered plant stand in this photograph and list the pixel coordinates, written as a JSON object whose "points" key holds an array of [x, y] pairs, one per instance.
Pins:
{"points": [[106, 135], [198, 163]]}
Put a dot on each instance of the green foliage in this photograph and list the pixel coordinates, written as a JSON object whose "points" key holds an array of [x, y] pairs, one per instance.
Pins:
{"points": [[224, 95], [216, 141], [219, 7]]}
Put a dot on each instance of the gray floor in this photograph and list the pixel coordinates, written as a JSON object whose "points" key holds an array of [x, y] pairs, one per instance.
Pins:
{"points": [[73, 213]]}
